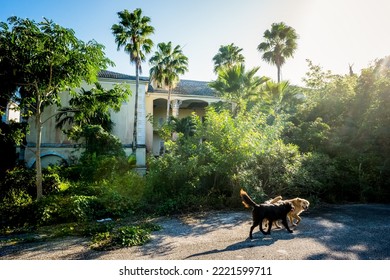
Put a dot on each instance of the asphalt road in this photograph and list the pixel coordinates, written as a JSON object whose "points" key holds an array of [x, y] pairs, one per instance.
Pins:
{"points": [[336, 232]]}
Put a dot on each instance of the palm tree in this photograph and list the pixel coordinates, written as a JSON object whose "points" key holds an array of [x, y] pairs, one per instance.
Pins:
{"points": [[228, 56], [167, 64], [133, 33], [275, 96], [280, 43], [238, 86], [186, 126]]}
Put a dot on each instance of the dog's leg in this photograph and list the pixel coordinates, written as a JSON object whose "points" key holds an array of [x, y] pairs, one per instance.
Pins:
{"points": [[270, 222], [261, 225], [255, 224], [284, 222], [298, 220], [291, 218]]}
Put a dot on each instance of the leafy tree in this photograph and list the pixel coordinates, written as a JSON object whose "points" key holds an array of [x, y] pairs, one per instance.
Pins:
{"points": [[228, 56], [132, 33], [280, 43], [45, 59], [167, 64], [316, 78]]}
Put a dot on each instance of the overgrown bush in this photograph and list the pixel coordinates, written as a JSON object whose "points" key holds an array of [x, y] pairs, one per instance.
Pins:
{"points": [[16, 209], [206, 170], [57, 209], [124, 236], [22, 178], [272, 171], [117, 194]]}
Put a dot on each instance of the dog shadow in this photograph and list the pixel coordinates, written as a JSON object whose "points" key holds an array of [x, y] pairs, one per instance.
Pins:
{"points": [[258, 240]]}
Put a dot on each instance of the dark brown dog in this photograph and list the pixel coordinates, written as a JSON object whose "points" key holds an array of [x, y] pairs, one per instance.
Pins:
{"points": [[271, 212]]}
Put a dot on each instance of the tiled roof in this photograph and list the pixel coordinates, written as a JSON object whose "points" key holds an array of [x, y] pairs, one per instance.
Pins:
{"points": [[114, 75], [188, 87], [184, 87]]}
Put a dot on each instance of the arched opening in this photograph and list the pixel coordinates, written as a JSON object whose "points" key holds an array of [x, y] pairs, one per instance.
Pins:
{"points": [[48, 159]]}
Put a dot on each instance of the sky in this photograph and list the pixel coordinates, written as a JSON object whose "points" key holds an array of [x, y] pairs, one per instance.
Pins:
{"points": [[332, 33]]}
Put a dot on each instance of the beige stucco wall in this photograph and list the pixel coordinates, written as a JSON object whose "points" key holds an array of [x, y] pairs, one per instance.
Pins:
{"points": [[55, 144]]}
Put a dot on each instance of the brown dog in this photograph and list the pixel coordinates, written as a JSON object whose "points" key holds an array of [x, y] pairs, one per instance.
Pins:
{"points": [[300, 205], [271, 212]]}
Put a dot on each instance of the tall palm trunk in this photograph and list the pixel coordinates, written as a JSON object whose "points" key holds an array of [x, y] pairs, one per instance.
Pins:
{"points": [[168, 102], [136, 107]]}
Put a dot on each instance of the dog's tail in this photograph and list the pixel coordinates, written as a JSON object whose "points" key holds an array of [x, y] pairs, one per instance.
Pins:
{"points": [[274, 200], [246, 200]]}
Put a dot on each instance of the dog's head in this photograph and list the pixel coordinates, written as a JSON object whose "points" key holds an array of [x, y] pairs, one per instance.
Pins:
{"points": [[303, 203]]}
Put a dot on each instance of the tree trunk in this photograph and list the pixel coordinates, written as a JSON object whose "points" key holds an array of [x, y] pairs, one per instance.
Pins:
{"points": [[168, 102], [136, 108], [278, 66], [38, 165]]}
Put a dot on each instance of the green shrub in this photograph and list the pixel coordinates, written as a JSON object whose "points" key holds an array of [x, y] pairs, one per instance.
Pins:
{"points": [[22, 178], [16, 209], [128, 236], [56, 209], [316, 176], [124, 236], [272, 171]]}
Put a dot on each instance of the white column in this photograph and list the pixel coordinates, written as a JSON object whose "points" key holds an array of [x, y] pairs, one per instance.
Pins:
{"points": [[175, 107], [141, 120]]}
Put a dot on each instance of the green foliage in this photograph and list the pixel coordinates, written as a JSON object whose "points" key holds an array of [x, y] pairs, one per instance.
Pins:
{"points": [[15, 209], [113, 191], [99, 142], [131, 236], [273, 170], [202, 174], [57, 209], [43, 59], [345, 119], [315, 177], [326, 142], [22, 178], [238, 86], [124, 236]]}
